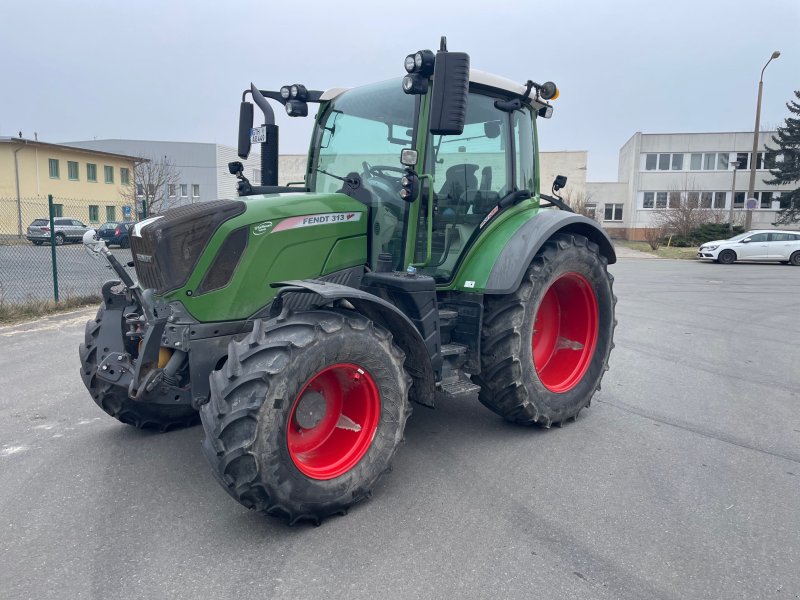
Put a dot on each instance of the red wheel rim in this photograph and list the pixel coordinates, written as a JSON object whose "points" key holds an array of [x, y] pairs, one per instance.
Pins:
{"points": [[333, 421], [565, 332]]}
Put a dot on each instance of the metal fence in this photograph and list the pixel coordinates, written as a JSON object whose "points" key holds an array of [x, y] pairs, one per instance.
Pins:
{"points": [[34, 269]]}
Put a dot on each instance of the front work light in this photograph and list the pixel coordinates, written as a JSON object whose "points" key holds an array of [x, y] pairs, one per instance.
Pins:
{"points": [[296, 108], [298, 92], [413, 83], [285, 92], [423, 62], [410, 63]]}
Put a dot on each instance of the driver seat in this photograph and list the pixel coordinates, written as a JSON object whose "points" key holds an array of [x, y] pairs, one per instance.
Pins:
{"points": [[458, 180]]}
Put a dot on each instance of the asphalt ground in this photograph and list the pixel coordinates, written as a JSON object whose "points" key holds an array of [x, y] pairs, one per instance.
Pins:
{"points": [[26, 271], [681, 481]]}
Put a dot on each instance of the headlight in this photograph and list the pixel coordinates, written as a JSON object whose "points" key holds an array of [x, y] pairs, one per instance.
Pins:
{"points": [[710, 247], [293, 91], [418, 60], [285, 92], [410, 63]]}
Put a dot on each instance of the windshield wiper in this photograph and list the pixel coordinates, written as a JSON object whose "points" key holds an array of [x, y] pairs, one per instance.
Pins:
{"points": [[349, 180]]}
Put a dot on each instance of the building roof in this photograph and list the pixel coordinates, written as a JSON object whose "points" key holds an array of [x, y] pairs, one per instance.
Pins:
{"points": [[37, 143]]}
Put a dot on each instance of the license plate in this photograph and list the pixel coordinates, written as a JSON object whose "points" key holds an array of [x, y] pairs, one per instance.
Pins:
{"points": [[258, 135]]}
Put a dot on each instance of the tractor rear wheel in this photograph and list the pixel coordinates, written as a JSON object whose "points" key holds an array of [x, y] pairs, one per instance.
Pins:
{"points": [[545, 347], [306, 414], [115, 401]]}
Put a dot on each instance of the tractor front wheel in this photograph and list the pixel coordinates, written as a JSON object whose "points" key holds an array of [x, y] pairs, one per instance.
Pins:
{"points": [[545, 347], [306, 414]]}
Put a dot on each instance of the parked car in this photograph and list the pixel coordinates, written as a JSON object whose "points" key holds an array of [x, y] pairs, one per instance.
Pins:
{"points": [[116, 233], [67, 230], [773, 245]]}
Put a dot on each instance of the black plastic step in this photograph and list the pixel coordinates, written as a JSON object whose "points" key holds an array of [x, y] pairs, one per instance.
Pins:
{"points": [[459, 387]]}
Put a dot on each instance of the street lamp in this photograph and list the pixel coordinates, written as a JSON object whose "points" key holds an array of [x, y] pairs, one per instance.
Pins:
{"points": [[752, 187], [736, 166]]}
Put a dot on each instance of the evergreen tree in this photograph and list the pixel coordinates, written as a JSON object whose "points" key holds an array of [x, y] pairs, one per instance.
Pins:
{"points": [[788, 171]]}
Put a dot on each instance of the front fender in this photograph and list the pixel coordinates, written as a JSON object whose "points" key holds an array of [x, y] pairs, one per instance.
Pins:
{"points": [[497, 265], [405, 334]]}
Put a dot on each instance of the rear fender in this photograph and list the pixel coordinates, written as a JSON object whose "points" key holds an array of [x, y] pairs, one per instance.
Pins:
{"points": [[418, 362], [498, 268]]}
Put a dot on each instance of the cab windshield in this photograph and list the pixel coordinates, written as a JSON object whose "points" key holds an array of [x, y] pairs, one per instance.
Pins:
{"points": [[362, 133]]}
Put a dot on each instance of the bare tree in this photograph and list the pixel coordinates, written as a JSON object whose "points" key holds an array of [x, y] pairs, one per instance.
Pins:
{"points": [[654, 235], [683, 212], [154, 180], [581, 202]]}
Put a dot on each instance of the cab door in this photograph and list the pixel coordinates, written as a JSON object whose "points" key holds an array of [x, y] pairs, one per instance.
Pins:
{"points": [[471, 173], [781, 245]]}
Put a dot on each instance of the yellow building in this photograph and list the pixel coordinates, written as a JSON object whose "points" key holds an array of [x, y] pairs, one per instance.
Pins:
{"points": [[87, 185]]}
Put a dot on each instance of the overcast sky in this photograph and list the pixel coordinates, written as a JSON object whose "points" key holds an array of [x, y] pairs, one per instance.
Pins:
{"points": [[175, 70]]}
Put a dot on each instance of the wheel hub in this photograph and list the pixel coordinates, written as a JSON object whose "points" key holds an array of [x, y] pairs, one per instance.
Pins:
{"points": [[333, 421], [565, 332], [311, 409]]}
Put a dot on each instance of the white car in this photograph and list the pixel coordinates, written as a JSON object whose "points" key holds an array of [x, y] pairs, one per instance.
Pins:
{"points": [[774, 245]]}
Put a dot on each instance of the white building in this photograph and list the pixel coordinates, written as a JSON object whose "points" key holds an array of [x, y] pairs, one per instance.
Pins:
{"points": [[655, 168], [202, 167]]}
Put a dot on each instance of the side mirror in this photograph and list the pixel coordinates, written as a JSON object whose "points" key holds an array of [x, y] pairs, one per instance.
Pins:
{"points": [[450, 89], [559, 182], [245, 125], [746, 240]]}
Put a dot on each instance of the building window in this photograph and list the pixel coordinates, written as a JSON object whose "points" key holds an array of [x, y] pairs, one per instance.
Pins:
{"points": [[111, 213], [613, 212], [72, 170], [706, 199], [677, 162], [663, 162], [91, 172], [738, 200], [139, 190], [58, 210], [196, 190], [674, 199], [649, 199], [109, 173], [696, 162], [124, 176], [765, 198], [661, 199], [171, 190], [785, 200], [709, 161], [722, 161], [184, 190], [719, 199], [53, 165], [94, 213], [650, 162], [741, 158], [257, 176]]}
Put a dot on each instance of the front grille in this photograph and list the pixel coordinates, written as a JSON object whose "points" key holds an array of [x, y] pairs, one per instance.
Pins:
{"points": [[170, 246]]}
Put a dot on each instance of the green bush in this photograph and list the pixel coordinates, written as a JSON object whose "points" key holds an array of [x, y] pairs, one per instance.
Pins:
{"points": [[704, 233]]}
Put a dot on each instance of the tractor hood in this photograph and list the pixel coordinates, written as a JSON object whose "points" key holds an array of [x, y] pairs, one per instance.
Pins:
{"points": [[219, 258]]}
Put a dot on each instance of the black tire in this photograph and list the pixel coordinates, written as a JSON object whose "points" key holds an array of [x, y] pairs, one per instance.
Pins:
{"points": [[59, 237], [726, 257], [794, 259], [252, 406], [511, 384], [115, 401]]}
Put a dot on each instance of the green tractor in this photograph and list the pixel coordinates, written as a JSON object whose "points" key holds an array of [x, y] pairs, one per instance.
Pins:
{"points": [[417, 260]]}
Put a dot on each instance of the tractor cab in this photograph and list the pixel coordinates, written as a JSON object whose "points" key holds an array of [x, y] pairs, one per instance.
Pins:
{"points": [[434, 163]]}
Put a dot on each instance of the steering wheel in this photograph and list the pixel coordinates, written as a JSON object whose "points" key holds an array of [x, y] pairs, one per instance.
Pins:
{"points": [[380, 170]]}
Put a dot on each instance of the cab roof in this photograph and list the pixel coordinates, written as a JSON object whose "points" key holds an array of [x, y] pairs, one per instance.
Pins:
{"points": [[477, 77]]}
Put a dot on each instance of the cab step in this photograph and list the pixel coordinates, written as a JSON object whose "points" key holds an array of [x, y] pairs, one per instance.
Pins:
{"points": [[457, 387]]}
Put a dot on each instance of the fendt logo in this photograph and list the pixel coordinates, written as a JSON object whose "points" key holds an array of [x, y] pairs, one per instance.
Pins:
{"points": [[262, 228]]}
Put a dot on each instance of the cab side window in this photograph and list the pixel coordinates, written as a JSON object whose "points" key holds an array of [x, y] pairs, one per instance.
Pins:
{"points": [[759, 237]]}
